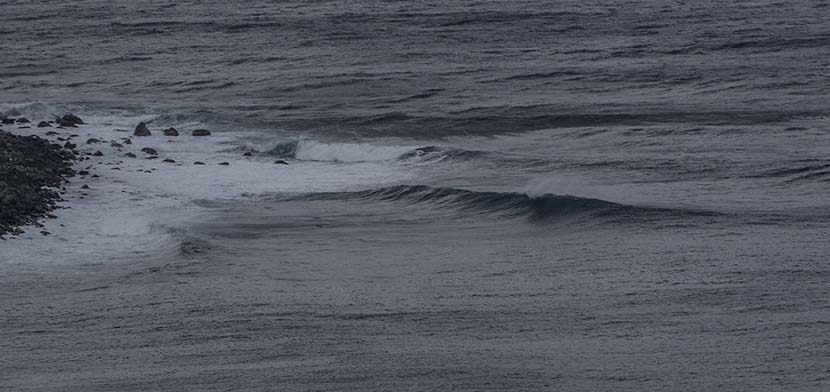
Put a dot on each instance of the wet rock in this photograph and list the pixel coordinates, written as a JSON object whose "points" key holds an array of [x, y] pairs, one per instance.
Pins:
{"points": [[201, 132], [171, 132], [92, 141], [23, 120], [198, 163], [151, 157], [127, 141], [168, 160], [85, 186], [7, 121], [148, 150], [224, 164], [116, 145], [98, 153], [142, 130], [52, 133], [83, 173], [281, 162], [43, 124], [129, 155], [248, 154], [69, 145], [70, 120]]}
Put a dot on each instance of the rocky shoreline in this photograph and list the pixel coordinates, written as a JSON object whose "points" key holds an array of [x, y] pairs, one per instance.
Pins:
{"points": [[31, 172]]}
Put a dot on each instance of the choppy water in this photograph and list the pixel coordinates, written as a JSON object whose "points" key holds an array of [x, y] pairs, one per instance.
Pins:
{"points": [[480, 195]]}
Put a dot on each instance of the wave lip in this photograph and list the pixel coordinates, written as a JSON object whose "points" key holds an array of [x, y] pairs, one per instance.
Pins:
{"points": [[537, 208]]}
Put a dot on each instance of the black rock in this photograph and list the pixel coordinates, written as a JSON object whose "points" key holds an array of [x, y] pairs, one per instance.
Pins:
{"points": [[141, 130], [171, 132], [98, 153], [69, 146], [127, 141], [198, 163], [92, 141], [129, 155], [7, 121], [248, 154], [201, 132], [83, 173], [85, 186], [52, 133], [148, 150], [70, 120], [224, 164], [116, 145], [43, 124], [168, 160], [23, 120], [281, 162]]}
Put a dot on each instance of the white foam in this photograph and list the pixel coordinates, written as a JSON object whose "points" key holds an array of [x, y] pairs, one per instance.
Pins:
{"points": [[130, 213]]}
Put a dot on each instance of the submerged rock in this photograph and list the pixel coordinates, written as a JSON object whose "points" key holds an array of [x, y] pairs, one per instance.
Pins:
{"points": [[201, 132], [171, 132], [142, 130]]}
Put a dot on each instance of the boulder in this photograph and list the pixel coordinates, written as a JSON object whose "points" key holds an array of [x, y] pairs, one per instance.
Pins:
{"points": [[23, 120], [248, 154], [129, 155], [171, 132], [70, 120], [224, 164], [92, 141], [150, 151], [43, 124], [7, 121], [168, 160], [116, 144], [98, 153], [69, 146], [141, 130], [201, 132], [281, 162], [127, 140], [198, 163]]}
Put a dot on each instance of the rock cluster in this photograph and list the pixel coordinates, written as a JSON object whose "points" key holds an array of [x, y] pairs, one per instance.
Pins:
{"points": [[29, 168]]}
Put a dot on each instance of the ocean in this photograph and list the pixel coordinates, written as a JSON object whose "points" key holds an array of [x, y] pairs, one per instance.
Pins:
{"points": [[479, 195]]}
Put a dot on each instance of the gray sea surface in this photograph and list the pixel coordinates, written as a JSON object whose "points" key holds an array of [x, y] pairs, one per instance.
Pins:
{"points": [[479, 195]]}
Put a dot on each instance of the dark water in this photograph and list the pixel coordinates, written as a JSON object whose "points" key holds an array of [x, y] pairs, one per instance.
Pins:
{"points": [[568, 195]]}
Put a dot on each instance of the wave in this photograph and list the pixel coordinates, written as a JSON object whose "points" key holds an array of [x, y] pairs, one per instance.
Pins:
{"points": [[542, 207]]}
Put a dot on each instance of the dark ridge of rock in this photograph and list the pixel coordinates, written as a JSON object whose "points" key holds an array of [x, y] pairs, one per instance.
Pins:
{"points": [[280, 162], [142, 130], [29, 168], [201, 132], [98, 153], [130, 155], [171, 132], [168, 160], [44, 124], [7, 121], [198, 163], [224, 164], [92, 141], [148, 150], [70, 120], [23, 120]]}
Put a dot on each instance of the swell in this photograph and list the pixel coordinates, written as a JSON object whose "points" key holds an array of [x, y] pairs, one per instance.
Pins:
{"points": [[546, 207]]}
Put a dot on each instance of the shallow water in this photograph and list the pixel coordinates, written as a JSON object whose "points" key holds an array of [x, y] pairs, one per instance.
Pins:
{"points": [[559, 195]]}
